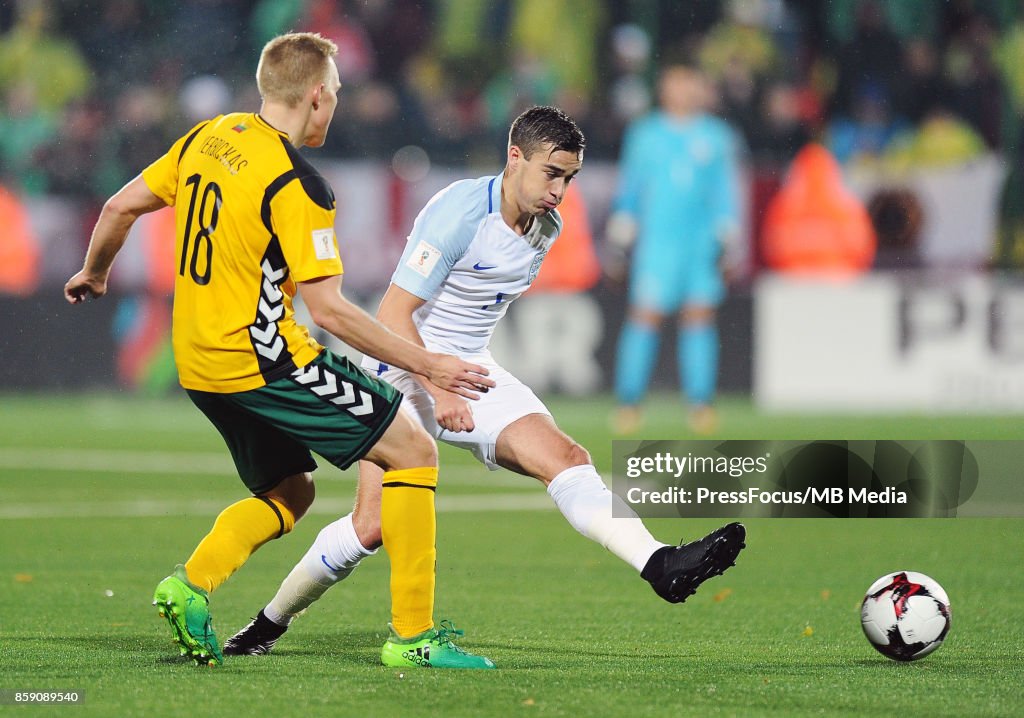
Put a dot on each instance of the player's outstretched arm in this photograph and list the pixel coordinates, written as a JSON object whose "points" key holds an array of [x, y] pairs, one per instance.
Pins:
{"points": [[396, 313], [352, 325], [119, 214]]}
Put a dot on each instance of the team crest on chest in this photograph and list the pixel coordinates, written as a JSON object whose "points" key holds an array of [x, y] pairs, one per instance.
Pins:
{"points": [[535, 266]]}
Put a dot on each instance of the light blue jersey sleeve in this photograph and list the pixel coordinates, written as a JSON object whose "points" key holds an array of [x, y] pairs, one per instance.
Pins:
{"points": [[440, 236], [724, 181]]}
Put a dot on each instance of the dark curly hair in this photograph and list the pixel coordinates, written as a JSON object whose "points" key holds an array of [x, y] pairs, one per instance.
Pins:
{"points": [[542, 125]]}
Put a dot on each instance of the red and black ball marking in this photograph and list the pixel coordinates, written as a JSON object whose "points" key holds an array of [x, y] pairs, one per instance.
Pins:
{"points": [[902, 588]]}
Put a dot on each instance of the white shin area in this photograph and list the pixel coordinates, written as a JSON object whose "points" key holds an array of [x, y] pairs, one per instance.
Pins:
{"points": [[601, 516], [334, 555]]}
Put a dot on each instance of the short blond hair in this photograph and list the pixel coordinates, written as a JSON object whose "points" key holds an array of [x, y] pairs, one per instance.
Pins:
{"points": [[290, 64]]}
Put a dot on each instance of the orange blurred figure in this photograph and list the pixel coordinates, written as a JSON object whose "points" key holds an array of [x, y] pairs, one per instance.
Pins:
{"points": [[572, 264], [815, 225], [19, 251]]}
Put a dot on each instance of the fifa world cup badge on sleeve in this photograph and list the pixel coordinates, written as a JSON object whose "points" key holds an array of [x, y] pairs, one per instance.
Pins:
{"points": [[323, 243], [423, 259]]}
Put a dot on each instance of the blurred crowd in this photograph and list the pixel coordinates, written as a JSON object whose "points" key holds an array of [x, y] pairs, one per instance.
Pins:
{"points": [[93, 90]]}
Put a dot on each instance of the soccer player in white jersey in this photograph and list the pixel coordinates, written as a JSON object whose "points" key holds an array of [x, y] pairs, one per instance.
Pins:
{"points": [[474, 249]]}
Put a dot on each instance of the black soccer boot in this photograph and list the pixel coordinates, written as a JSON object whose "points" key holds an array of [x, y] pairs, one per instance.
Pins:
{"points": [[256, 639], [675, 572]]}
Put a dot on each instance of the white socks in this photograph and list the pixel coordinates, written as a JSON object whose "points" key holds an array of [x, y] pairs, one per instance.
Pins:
{"points": [[334, 555], [579, 493], [587, 504]]}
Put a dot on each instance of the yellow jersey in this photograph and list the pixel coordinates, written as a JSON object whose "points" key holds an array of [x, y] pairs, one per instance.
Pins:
{"points": [[253, 217]]}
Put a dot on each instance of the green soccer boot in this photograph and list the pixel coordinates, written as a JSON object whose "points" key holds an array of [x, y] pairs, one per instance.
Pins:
{"points": [[187, 610], [434, 648]]}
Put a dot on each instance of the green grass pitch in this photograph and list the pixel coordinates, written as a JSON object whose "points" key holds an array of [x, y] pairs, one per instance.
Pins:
{"points": [[102, 495]]}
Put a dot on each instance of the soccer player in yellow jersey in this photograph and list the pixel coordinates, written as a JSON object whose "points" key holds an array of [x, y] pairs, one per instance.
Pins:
{"points": [[255, 225]]}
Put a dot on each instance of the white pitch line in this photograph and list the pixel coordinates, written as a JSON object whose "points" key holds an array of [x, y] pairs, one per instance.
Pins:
{"points": [[129, 461], [533, 501], [116, 460]]}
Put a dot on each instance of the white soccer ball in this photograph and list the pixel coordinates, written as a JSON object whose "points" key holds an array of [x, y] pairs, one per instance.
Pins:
{"points": [[905, 615]]}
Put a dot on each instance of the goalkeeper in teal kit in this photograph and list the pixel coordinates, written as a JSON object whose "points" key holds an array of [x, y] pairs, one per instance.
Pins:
{"points": [[678, 207]]}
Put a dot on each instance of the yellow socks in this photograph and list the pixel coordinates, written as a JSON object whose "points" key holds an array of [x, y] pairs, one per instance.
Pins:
{"points": [[239, 530], [408, 529]]}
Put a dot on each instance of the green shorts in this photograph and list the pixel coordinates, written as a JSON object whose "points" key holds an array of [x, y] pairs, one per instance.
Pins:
{"points": [[330, 406]]}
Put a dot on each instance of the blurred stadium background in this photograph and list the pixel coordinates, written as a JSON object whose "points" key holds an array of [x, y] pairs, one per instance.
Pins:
{"points": [[107, 473], [922, 103]]}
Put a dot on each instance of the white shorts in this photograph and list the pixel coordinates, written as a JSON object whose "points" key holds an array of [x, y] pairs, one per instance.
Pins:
{"points": [[508, 401]]}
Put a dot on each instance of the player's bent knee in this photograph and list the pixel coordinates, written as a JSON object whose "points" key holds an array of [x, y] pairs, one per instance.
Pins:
{"points": [[647, 317], [696, 316], [405, 445], [421, 450], [428, 454], [577, 455], [296, 493]]}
